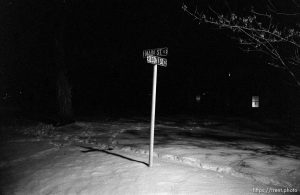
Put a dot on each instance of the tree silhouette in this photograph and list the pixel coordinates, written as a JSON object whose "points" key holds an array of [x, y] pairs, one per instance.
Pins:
{"points": [[64, 88], [270, 27], [32, 54]]}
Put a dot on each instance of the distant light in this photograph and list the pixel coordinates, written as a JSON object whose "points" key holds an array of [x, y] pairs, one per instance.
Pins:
{"points": [[255, 101], [198, 98], [229, 74]]}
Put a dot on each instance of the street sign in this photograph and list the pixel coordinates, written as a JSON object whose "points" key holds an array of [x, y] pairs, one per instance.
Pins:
{"points": [[157, 60], [152, 58], [155, 52]]}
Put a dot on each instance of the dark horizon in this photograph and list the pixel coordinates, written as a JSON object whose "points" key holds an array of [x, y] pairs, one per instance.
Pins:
{"points": [[103, 44]]}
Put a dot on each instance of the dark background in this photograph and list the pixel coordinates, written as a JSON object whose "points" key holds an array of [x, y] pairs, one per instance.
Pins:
{"points": [[103, 43]]}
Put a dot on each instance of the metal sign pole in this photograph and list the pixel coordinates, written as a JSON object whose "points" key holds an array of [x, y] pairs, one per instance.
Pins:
{"points": [[153, 115], [152, 56]]}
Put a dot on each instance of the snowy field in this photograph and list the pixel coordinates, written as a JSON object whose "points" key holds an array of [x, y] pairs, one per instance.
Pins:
{"points": [[110, 157]]}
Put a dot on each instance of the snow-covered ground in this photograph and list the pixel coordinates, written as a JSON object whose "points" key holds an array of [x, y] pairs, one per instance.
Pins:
{"points": [[110, 157]]}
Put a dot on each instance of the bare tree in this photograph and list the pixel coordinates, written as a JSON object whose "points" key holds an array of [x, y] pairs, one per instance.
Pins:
{"points": [[64, 88], [272, 31]]}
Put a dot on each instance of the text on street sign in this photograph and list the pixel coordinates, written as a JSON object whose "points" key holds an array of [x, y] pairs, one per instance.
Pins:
{"points": [[157, 60], [155, 52]]}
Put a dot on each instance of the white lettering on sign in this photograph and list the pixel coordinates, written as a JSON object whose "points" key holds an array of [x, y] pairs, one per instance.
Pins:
{"points": [[151, 59], [149, 52], [157, 60], [162, 61], [155, 52]]}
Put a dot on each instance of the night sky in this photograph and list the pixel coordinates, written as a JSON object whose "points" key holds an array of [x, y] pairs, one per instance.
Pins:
{"points": [[104, 41]]}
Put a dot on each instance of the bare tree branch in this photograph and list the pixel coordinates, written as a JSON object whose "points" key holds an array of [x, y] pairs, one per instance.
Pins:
{"points": [[258, 32]]}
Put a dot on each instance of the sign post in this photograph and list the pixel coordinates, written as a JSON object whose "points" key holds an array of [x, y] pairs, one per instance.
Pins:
{"points": [[152, 115], [152, 58]]}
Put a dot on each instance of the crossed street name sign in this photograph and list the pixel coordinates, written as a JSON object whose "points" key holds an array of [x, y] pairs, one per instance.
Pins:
{"points": [[155, 52], [157, 60], [152, 56]]}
